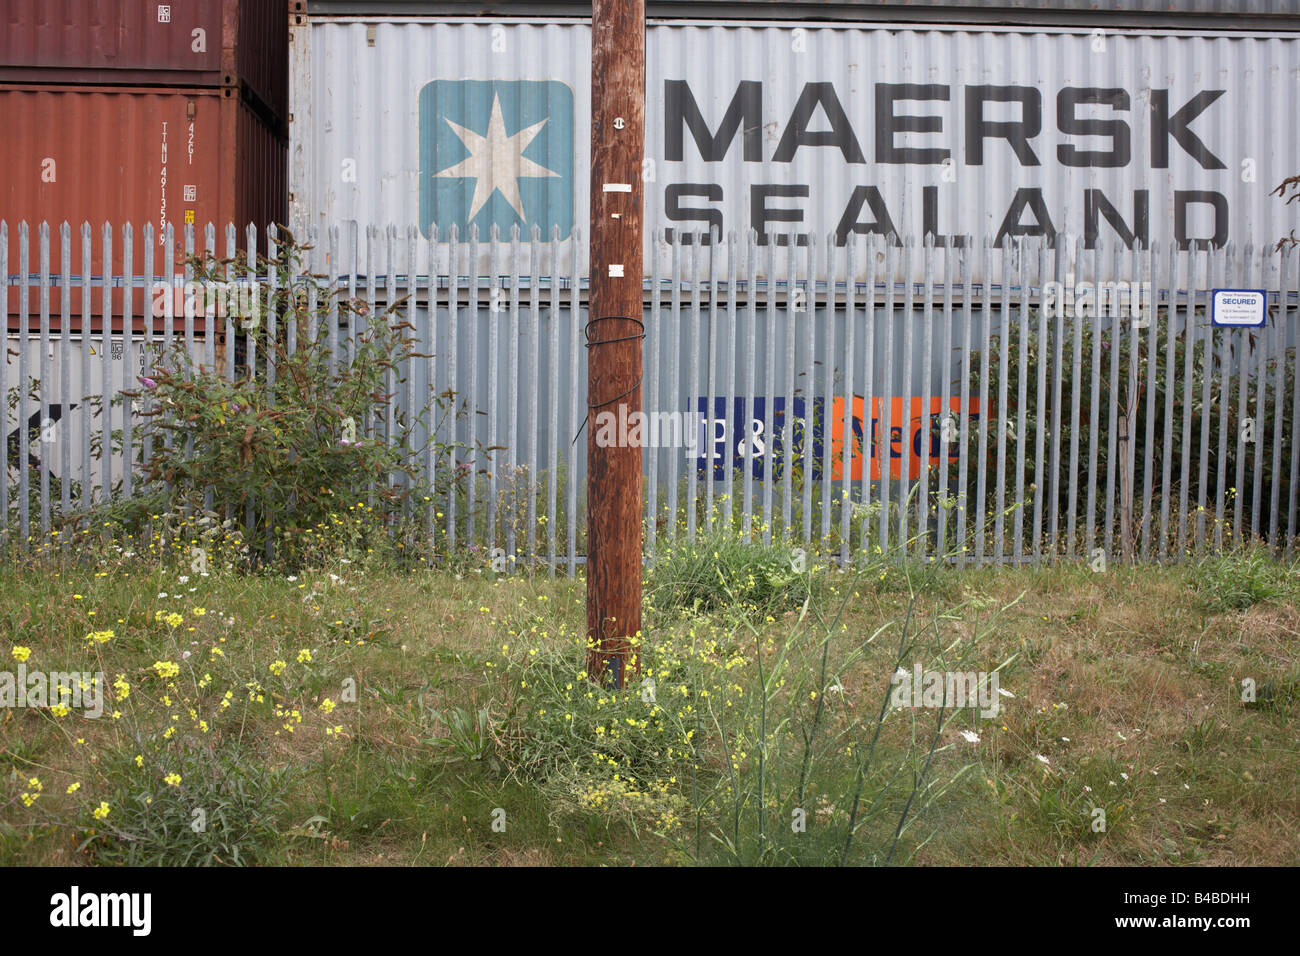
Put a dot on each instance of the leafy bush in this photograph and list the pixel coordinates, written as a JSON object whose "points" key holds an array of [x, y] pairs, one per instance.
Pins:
{"points": [[721, 569], [190, 763], [297, 439], [734, 732], [591, 749], [1240, 579], [1221, 473], [466, 735], [225, 813]]}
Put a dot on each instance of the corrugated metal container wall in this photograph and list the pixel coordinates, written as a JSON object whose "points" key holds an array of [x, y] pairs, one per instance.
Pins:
{"points": [[793, 9], [123, 155], [263, 54], [822, 129], [1229, 7], [82, 382], [143, 42], [259, 176]]}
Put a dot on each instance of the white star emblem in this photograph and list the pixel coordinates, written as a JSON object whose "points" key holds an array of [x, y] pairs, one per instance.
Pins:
{"points": [[496, 161]]}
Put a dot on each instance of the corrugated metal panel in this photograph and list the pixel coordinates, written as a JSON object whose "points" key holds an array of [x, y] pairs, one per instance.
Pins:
{"points": [[1203, 120], [260, 173], [121, 155], [965, 11], [61, 449], [142, 42], [262, 56], [1232, 7]]}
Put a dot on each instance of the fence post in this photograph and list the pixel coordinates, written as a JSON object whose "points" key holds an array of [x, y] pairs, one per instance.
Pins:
{"points": [[45, 374]]}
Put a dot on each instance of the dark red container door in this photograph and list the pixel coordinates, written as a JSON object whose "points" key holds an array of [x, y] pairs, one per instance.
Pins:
{"points": [[81, 154]]}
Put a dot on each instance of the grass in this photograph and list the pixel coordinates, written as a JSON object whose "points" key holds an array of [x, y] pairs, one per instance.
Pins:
{"points": [[403, 736], [1243, 578]]}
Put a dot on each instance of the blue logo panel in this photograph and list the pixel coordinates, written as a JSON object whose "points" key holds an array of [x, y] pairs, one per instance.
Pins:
{"points": [[731, 429], [497, 152]]}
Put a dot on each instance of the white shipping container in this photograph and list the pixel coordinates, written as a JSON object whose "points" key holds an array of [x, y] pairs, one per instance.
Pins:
{"points": [[819, 129]]}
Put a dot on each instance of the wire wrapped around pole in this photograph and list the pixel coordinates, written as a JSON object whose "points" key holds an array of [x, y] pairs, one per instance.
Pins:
{"points": [[588, 331]]}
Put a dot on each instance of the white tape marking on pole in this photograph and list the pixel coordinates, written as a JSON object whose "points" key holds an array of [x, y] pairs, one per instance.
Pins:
{"points": [[616, 272], [618, 187]]}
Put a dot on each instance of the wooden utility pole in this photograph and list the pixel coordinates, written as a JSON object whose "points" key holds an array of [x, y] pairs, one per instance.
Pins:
{"points": [[614, 336]]}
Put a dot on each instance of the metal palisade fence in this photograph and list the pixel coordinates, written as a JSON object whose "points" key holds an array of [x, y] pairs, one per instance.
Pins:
{"points": [[973, 402]]}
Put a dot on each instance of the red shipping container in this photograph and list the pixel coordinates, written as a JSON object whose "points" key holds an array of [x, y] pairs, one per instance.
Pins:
{"points": [[122, 155], [144, 42]]}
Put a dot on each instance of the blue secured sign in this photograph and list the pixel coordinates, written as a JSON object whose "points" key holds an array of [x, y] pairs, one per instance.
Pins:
{"points": [[1238, 307]]}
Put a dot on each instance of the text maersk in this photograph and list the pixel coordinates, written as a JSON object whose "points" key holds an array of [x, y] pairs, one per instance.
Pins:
{"points": [[1000, 124]]}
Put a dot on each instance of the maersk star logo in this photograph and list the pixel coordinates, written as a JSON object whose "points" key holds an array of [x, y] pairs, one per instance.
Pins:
{"points": [[496, 152]]}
